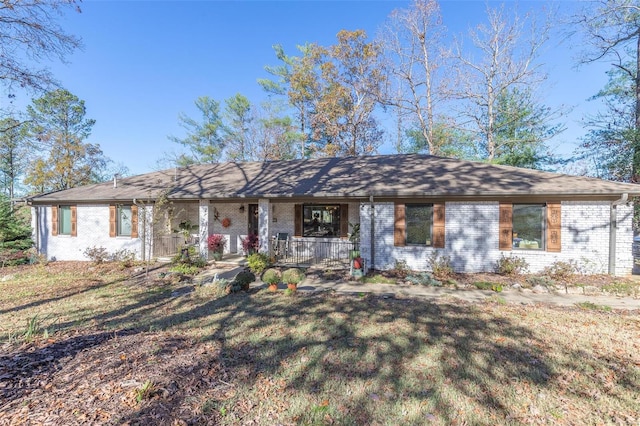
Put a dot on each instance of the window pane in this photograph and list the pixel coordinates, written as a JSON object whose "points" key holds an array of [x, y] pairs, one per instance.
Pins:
{"points": [[64, 218], [124, 220], [528, 226], [418, 219], [321, 221]]}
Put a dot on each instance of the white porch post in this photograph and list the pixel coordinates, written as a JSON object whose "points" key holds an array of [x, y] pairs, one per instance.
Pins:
{"points": [[203, 215], [264, 225]]}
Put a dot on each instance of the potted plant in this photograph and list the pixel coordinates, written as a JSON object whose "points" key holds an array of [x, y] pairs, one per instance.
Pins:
{"points": [[250, 244], [272, 277], [293, 276], [354, 237], [216, 243]]}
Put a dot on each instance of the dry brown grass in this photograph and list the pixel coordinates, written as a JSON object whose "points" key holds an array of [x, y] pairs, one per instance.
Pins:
{"points": [[263, 358]]}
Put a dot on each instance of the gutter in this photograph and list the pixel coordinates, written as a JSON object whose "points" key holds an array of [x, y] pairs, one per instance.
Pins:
{"points": [[613, 227]]}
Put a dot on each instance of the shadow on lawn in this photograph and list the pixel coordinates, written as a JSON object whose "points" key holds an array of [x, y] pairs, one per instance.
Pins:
{"points": [[310, 346]]}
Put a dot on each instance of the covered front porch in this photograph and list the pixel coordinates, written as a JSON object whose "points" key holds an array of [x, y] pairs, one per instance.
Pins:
{"points": [[297, 234]]}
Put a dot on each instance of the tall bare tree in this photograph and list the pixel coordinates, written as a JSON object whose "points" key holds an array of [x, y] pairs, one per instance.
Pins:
{"points": [[413, 41], [611, 30], [30, 34], [507, 48]]}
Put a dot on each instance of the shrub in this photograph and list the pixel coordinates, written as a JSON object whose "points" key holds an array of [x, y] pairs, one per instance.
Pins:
{"points": [[560, 270], [244, 278], [250, 243], [257, 262], [272, 276], [126, 257], [424, 279], [401, 269], [15, 234], [97, 255], [511, 265], [543, 281], [485, 285], [440, 265], [216, 242], [292, 276], [185, 269]]}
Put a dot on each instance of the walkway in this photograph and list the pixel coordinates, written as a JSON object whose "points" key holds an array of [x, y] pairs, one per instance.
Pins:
{"points": [[314, 284]]}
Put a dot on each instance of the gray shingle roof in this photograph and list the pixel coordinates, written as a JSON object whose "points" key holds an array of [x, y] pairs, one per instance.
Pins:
{"points": [[409, 175]]}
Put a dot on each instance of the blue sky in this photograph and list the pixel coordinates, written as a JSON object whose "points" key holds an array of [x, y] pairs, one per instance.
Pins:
{"points": [[145, 62]]}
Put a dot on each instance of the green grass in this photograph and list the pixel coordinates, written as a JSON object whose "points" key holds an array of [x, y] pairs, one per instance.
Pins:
{"points": [[377, 279], [619, 288], [593, 306], [266, 359]]}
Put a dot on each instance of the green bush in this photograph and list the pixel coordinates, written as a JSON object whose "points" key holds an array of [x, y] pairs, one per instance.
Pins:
{"points": [[257, 262], [292, 276], [244, 278], [511, 265], [15, 234], [485, 285], [185, 269], [272, 276]]}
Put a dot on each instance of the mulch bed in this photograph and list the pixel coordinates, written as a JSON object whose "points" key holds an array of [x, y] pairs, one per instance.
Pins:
{"points": [[100, 379]]}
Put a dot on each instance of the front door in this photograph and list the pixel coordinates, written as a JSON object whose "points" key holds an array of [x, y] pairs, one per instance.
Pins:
{"points": [[252, 224]]}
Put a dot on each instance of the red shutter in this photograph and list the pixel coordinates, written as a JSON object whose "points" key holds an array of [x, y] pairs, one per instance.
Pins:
{"points": [[505, 241], [74, 221], [54, 220], [399, 227], [344, 220], [554, 227], [134, 221], [112, 221], [438, 225], [297, 220]]}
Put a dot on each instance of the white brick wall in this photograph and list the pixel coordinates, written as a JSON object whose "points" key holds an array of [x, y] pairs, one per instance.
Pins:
{"points": [[93, 230], [472, 238], [238, 225]]}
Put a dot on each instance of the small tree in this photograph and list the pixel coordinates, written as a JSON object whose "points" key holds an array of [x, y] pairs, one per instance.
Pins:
{"points": [[15, 235]]}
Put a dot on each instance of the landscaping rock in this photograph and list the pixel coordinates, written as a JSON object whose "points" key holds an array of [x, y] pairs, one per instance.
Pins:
{"points": [[516, 286], [540, 289]]}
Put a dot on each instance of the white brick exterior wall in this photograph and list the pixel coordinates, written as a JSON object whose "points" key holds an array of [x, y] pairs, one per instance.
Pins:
{"points": [[93, 230], [471, 240], [471, 234]]}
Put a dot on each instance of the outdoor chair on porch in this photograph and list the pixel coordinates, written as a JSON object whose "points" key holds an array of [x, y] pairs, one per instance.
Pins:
{"points": [[280, 244]]}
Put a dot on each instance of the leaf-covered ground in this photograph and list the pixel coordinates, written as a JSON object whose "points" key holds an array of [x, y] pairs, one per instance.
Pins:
{"points": [[108, 348]]}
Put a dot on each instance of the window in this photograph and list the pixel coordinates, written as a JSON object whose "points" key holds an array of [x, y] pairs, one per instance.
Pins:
{"points": [[419, 224], [321, 220], [419, 221], [528, 226], [124, 221], [64, 220]]}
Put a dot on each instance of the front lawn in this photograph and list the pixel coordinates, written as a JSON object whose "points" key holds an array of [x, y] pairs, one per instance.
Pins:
{"points": [[108, 348]]}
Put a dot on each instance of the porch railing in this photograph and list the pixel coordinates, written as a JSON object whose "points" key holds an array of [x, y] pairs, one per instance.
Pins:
{"points": [[307, 252]]}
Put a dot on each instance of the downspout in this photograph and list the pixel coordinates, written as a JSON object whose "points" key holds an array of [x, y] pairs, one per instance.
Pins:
{"points": [[613, 227], [372, 227], [144, 225]]}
